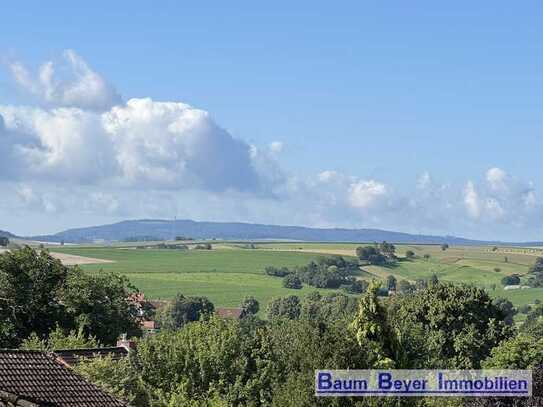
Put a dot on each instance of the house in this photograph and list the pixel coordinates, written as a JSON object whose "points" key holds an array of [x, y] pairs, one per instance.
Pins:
{"points": [[149, 327], [38, 379], [230, 313]]}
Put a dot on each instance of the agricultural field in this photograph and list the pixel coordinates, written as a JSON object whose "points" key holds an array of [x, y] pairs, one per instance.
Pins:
{"points": [[224, 275], [232, 270]]}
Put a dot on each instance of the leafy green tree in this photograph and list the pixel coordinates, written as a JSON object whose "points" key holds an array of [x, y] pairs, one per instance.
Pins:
{"points": [[183, 310], [249, 306], [460, 324], [524, 309], [118, 377], [102, 304], [391, 282], [513, 279], [538, 266], [533, 325], [371, 330], [520, 352], [388, 249], [277, 271], [205, 359], [366, 253], [328, 308], [58, 339], [507, 308], [298, 348], [356, 287], [284, 307], [292, 281], [4, 241], [421, 284], [31, 285], [405, 287]]}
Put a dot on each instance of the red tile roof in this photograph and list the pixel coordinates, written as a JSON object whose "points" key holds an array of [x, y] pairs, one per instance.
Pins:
{"points": [[234, 313], [36, 377]]}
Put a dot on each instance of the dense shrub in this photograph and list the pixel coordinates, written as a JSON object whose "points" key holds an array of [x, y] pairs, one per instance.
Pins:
{"points": [[292, 281]]}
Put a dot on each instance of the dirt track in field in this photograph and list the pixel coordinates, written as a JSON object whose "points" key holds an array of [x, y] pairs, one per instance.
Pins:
{"points": [[73, 260]]}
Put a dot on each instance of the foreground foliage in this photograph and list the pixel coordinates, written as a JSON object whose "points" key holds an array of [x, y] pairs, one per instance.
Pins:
{"points": [[39, 294], [250, 362]]}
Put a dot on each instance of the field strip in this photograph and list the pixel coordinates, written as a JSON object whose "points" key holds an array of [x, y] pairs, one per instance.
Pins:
{"points": [[73, 260], [338, 252]]}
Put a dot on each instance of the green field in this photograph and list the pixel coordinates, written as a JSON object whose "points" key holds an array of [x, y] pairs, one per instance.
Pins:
{"points": [[230, 272], [224, 276]]}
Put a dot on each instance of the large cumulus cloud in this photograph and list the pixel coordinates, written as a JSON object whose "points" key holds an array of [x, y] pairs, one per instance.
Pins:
{"points": [[140, 143]]}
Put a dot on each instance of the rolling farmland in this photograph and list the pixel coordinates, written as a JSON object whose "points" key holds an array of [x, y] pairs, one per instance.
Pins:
{"points": [[229, 272]]}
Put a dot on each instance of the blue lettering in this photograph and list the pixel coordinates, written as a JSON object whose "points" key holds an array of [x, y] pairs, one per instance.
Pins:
{"points": [[325, 381], [385, 381]]}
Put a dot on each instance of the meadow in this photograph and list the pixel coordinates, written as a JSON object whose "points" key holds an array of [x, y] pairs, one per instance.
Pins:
{"points": [[232, 271], [224, 275]]}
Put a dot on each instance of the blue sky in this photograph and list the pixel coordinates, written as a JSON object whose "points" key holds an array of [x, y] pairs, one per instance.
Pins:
{"points": [[383, 93]]}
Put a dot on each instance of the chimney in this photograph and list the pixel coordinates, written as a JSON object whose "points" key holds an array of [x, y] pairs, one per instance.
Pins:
{"points": [[128, 344]]}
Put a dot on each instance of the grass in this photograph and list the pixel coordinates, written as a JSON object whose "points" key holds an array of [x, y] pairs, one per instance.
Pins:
{"points": [[230, 272], [224, 276]]}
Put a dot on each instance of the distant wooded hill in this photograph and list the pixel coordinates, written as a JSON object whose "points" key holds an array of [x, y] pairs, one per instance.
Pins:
{"points": [[169, 229]]}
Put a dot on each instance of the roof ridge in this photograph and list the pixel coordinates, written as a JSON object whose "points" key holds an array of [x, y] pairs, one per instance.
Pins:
{"points": [[87, 349]]}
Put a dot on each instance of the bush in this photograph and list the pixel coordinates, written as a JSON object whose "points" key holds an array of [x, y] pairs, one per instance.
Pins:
{"points": [[511, 280], [277, 272], [525, 309], [405, 287], [409, 254], [538, 266], [356, 287], [183, 310], [284, 307], [292, 281], [249, 306]]}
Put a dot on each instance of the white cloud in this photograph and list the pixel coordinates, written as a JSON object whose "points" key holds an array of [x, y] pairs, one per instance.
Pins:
{"points": [[276, 147], [424, 181], [141, 143], [471, 200], [327, 176], [365, 194], [63, 143], [496, 178], [77, 85], [175, 145]]}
